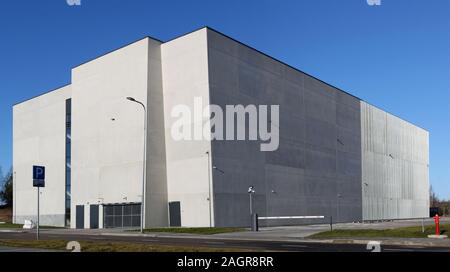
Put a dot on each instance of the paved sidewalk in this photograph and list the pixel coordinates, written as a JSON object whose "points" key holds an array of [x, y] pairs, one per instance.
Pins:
{"points": [[297, 232]]}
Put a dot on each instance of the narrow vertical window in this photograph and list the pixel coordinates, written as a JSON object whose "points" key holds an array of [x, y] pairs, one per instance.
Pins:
{"points": [[68, 159]]}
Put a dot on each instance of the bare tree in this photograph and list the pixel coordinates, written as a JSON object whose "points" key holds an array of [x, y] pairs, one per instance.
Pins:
{"points": [[6, 192], [434, 199]]}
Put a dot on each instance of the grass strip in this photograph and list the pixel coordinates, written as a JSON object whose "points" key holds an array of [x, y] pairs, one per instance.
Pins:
{"points": [[406, 232], [89, 246]]}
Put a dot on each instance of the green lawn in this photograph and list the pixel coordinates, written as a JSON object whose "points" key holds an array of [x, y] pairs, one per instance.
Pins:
{"points": [[87, 246], [204, 231], [10, 226], [407, 232]]}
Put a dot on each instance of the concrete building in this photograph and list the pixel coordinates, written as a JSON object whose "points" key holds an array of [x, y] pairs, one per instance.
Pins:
{"points": [[338, 155]]}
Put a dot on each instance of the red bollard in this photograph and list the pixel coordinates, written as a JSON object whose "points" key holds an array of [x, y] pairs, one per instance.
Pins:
{"points": [[436, 221]]}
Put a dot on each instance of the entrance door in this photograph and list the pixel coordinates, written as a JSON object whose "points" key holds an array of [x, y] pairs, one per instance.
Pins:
{"points": [[175, 214], [94, 216], [80, 216]]}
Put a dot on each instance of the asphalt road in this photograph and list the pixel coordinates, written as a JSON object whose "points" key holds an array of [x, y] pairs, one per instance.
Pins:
{"points": [[215, 243]]}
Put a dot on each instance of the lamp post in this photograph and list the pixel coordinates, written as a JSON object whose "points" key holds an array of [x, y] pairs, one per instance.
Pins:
{"points": [[251, 192], [337, 206], [253, 216], [144, 164], [365, 200], [14, 197], [209, 185], [209, 189]]}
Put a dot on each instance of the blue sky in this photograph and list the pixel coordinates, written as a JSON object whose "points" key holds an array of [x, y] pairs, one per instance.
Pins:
{"points": [[396, 56]]}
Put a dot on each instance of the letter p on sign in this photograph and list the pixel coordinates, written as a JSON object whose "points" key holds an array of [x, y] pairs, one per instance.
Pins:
{"points": [[38, 176]]}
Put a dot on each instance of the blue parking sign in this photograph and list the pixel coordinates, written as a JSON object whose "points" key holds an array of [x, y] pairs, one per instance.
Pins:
{"points": [[38, 176]]}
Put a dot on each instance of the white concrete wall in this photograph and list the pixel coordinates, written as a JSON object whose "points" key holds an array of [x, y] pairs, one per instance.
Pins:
{"points": [[107, 155], [39, 129], [185, 76], [395, 167]]}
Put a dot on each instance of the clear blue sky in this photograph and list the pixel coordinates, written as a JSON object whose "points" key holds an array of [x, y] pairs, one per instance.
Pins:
{"points": [[396, 56]]}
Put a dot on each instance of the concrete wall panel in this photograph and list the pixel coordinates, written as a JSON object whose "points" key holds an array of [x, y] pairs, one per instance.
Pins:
{"points": [[395, 167], [185, 77], [108, 131]]}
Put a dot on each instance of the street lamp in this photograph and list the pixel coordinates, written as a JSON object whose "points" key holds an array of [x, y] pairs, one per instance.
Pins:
{"points": [[209, 185], [144, 165], [218, 169], [209, 189], [337, 206], [14, 197], [366, 185], [251, 192]]}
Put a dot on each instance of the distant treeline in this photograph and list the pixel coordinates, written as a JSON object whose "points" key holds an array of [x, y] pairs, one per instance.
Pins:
{"points": [[443, 205]]}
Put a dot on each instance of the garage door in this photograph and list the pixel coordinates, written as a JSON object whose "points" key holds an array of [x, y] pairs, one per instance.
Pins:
{"points": [[122, 216]]}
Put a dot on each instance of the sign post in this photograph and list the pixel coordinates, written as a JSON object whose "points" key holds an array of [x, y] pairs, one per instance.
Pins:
{"points": [[38, 214], [38, 182]]}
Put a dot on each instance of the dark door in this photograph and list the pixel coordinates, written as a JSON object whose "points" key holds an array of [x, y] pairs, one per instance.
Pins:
{"points": [[93, 222], [175, 214], [80, 217]]}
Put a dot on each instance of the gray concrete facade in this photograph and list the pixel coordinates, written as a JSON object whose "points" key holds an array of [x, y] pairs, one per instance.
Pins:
{"points": [[395, 166], [338, 156], [317, 168]]}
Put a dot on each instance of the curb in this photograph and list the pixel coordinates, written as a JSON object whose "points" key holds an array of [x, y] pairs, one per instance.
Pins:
{"points": [[12, 231]]}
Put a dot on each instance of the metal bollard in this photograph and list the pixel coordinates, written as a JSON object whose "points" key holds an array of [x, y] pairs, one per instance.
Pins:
{"points": [[255, 226]]}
